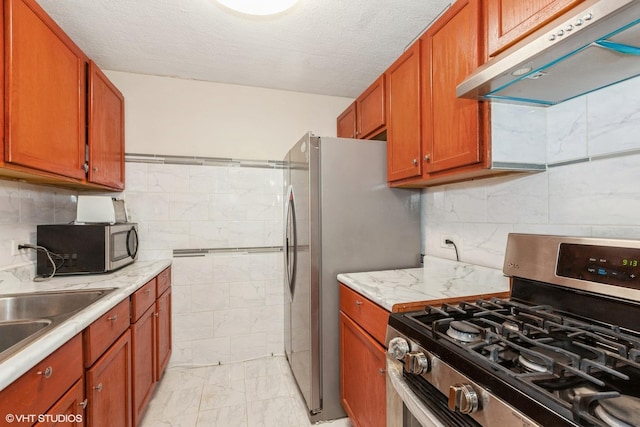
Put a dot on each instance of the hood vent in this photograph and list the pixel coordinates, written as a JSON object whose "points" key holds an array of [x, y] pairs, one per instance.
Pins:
{"points": [[597, 47]]}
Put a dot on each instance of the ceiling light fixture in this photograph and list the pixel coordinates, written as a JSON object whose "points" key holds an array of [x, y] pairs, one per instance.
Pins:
{"points": [[258, 7]]}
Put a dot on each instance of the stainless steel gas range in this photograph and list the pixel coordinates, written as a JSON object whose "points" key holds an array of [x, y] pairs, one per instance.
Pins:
{"points": [[563, 350]]}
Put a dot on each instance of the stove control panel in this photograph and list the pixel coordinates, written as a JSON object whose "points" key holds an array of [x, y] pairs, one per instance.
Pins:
{"points": [[602, 264]]}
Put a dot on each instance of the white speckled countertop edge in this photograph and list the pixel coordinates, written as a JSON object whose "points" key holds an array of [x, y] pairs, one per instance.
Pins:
{"points": [[126, 281], [439, 279]]}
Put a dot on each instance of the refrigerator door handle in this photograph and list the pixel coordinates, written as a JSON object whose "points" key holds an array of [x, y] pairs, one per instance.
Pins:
{"points": [[291, 244]]}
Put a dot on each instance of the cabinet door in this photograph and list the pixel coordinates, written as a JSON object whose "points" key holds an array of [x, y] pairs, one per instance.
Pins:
{"points": [[509, 21], [362, 376], [451, 126], [370, 110], [45, 93], [69, 410], [106, 131], [143, 361], [109, 386], [163, 332], [347, 122], [403, 121]]}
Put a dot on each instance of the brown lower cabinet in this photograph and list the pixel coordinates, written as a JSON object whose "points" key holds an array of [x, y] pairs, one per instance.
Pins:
{"points": [[151, 338], [105, 375], [42, 387], [69, 410], [109, 386], [362, 360]]}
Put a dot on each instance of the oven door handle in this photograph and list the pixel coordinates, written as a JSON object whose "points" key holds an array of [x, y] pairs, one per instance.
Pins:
{"points": [[404, 395]]}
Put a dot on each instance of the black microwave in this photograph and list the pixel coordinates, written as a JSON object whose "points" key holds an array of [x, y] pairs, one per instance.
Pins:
{"points": [[66, 249]]}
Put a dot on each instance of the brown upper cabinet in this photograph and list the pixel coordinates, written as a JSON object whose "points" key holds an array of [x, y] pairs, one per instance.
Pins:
{"points": [[106, 131], [442, 138], [46, 103], [366, 117], [451, 50], [46, 86], [509, 21], [403, 116]]}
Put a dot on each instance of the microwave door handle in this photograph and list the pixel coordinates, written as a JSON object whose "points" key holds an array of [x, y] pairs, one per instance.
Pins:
{"points": [[132, 240]]}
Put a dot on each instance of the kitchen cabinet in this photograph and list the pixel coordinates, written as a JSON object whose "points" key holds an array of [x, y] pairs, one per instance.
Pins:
{"points": [[46, 92], [143, 337], [347, 124], [454, 132], [63, 120], [106, 131], [150, 339], [369, 118], [163, 332], [452, 135], [69, 407], [109, 386], [362, 359], [46, 383], [107, 349], [510, 21], [403, 118]]}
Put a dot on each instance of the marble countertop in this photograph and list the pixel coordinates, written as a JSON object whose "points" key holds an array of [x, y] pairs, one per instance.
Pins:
{"points": [[397, 290], [126, 281]]}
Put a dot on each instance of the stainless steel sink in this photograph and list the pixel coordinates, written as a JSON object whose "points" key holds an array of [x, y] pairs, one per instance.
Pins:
{"points": [[25, 317]]}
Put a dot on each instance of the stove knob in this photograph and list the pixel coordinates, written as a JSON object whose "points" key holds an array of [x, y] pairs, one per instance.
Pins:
{"points": [[463, 399], [398, 348], [416, 363]]}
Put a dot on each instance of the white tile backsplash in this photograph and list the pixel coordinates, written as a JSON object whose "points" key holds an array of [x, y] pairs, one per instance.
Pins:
{"points": [[580, 196]]}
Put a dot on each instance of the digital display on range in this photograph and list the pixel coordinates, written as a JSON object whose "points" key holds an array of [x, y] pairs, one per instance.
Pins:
{"points": [[602, 264]]}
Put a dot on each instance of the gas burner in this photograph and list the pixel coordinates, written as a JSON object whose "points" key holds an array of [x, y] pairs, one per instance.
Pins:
{"points": [[464, 332], [535, 362], [619, 411], [510, 325]]}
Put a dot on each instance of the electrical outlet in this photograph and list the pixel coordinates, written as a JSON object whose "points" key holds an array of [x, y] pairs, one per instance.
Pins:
{"points": [[444, 238], [14, 249]]}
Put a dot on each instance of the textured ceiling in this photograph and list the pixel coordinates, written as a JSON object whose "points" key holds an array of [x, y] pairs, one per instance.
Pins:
{"points": [[330, 47]]}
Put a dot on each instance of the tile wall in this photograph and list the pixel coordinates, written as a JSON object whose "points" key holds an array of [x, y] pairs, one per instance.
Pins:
{"points": [[228, 293], [589, 189], [22, 207]]}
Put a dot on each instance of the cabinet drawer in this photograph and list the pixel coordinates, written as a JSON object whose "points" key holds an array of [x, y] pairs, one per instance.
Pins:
{"points": [[104, 331], [370, 316], [142, 299], [164, 281], [39, 388]]}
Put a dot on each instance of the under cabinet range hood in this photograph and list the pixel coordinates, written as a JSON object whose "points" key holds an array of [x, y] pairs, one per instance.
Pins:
{"points": [[599, 45]]}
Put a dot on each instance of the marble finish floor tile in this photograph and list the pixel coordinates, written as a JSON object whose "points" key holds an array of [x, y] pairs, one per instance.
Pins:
{"points": [[256, 393]]}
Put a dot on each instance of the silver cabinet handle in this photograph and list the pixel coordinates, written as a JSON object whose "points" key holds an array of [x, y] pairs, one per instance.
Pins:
{"points": [[415, 162], [113, 318], [426, 157], [98, 387], [147, 291], [156, 314], [47, 372], [358, 302], [83, 404], [382, 371]]}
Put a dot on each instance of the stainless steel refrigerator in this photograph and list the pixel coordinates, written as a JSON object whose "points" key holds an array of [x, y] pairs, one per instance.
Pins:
{"points": [[340, 217]]}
